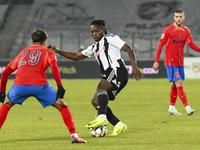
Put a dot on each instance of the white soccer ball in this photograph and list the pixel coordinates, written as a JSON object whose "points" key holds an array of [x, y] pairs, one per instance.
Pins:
{"points": [[99, 131]]}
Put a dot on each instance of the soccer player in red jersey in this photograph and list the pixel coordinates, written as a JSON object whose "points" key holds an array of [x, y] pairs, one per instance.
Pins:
{"points": [[30, 80], [174, 38]]}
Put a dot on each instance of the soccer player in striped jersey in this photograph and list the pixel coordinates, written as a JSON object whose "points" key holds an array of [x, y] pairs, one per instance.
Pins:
{"points": [[30, 80], [114, 75], [174, 38]]}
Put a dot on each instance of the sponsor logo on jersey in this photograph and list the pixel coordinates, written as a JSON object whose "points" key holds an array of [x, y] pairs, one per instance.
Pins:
{"points": [[99, 51], [178, 41]]}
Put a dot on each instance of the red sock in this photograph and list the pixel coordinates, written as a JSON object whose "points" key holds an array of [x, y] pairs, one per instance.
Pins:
{"points": [[4, 109], [182, 95], [67, 118], [173, 96]]}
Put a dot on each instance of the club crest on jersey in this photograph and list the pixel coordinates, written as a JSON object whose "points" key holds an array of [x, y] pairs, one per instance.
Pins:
{"points": [[99, 51]]}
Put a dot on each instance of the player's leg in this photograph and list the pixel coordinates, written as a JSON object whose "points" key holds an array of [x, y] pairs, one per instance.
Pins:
{"points": [[14, 96], [179, 85], [4, 109], [102, 97], [183, 97], [122, 78], [68, 120], [66, 115], [173, 93], [109, 114], [46, 95]]}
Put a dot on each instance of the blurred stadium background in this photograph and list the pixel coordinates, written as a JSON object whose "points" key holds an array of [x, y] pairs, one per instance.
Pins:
{"points": [[139, 22]]}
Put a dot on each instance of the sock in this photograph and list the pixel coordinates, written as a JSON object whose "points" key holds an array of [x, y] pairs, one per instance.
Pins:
{"points": [[182, 95], [102, 116], [173, 96], [4, 109], [74, 134], [102, 101], [111, 117], [171, 107], [119, 123], [68, 119]]}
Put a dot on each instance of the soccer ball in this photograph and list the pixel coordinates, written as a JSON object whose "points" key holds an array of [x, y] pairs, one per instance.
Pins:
{"points": [[99, 131]]}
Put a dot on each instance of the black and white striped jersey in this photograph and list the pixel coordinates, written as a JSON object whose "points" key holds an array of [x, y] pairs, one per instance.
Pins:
{"points": [[106, 51]]}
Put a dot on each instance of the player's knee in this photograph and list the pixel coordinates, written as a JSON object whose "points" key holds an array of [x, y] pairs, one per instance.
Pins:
{"points": [[101, 92], [94, 102], [59, 103]]}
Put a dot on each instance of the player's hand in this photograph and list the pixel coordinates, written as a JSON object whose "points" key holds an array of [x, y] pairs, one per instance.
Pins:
{"points": [[2, 96], [137, 75], [60, 92], [52, 48], [156, 66]]}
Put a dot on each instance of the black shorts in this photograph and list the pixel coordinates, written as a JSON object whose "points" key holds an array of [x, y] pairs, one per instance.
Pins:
{"points": [[118, 79]]}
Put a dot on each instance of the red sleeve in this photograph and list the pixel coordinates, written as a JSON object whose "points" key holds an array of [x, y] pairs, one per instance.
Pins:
{"points": [[4, 78], [158, 51], [194, 47], [55, 72], [191, 44], [163, 40]]}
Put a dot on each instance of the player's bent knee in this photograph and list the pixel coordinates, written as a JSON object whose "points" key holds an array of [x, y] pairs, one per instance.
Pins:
{"points": [[59, 103], [94, 102], [100, 92]]}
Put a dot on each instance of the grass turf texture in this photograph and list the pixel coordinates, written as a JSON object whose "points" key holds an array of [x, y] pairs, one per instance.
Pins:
{"points": [[143, 106]]}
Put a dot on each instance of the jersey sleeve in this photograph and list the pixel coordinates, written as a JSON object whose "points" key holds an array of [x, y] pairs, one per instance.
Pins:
{"points": [[14, 63], [55, 72], [88, 51], [162, 42], [191, 43], [115, 41], [4, 78], [52, 57]]}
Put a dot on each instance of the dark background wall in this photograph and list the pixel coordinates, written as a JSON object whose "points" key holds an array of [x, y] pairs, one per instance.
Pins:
{"points": [[90, 69]]}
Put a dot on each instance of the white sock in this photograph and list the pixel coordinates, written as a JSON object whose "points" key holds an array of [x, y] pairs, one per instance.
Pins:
{"points": [[102, 116], [119, 123], [171, 107], [75, 134], [187, 107]]}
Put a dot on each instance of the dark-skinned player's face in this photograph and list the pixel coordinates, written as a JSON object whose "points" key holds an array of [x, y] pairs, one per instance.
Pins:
{"points": [[97, 32]]}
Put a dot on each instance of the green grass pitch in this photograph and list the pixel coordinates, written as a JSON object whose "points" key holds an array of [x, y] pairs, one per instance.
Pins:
{"points": [[143, 106]]}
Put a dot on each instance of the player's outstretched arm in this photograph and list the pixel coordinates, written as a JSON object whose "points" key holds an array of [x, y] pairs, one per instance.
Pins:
{"points": [[69, 55], [136, 71]]}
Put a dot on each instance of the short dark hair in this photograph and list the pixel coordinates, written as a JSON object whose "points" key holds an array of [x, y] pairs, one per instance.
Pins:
{"points": [[39, 36], [99, 22], [179, 11]]}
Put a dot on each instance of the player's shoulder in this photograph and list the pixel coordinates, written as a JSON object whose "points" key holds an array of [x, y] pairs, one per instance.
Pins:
{"points": [[110, 35], [185, 28], [169, 27]]}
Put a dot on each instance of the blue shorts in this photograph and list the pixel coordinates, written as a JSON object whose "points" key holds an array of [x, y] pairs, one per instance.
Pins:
{"points": [[46, 95], [175, 73]]}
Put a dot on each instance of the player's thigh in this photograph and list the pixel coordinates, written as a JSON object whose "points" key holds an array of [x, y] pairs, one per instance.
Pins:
{"points": [[174, 73], [46, 95], [17, 94], [122, 80], [104, 85]]}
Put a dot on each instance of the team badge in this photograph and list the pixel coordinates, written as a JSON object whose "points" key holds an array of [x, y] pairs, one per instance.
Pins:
{"points": [[196, 67]]}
